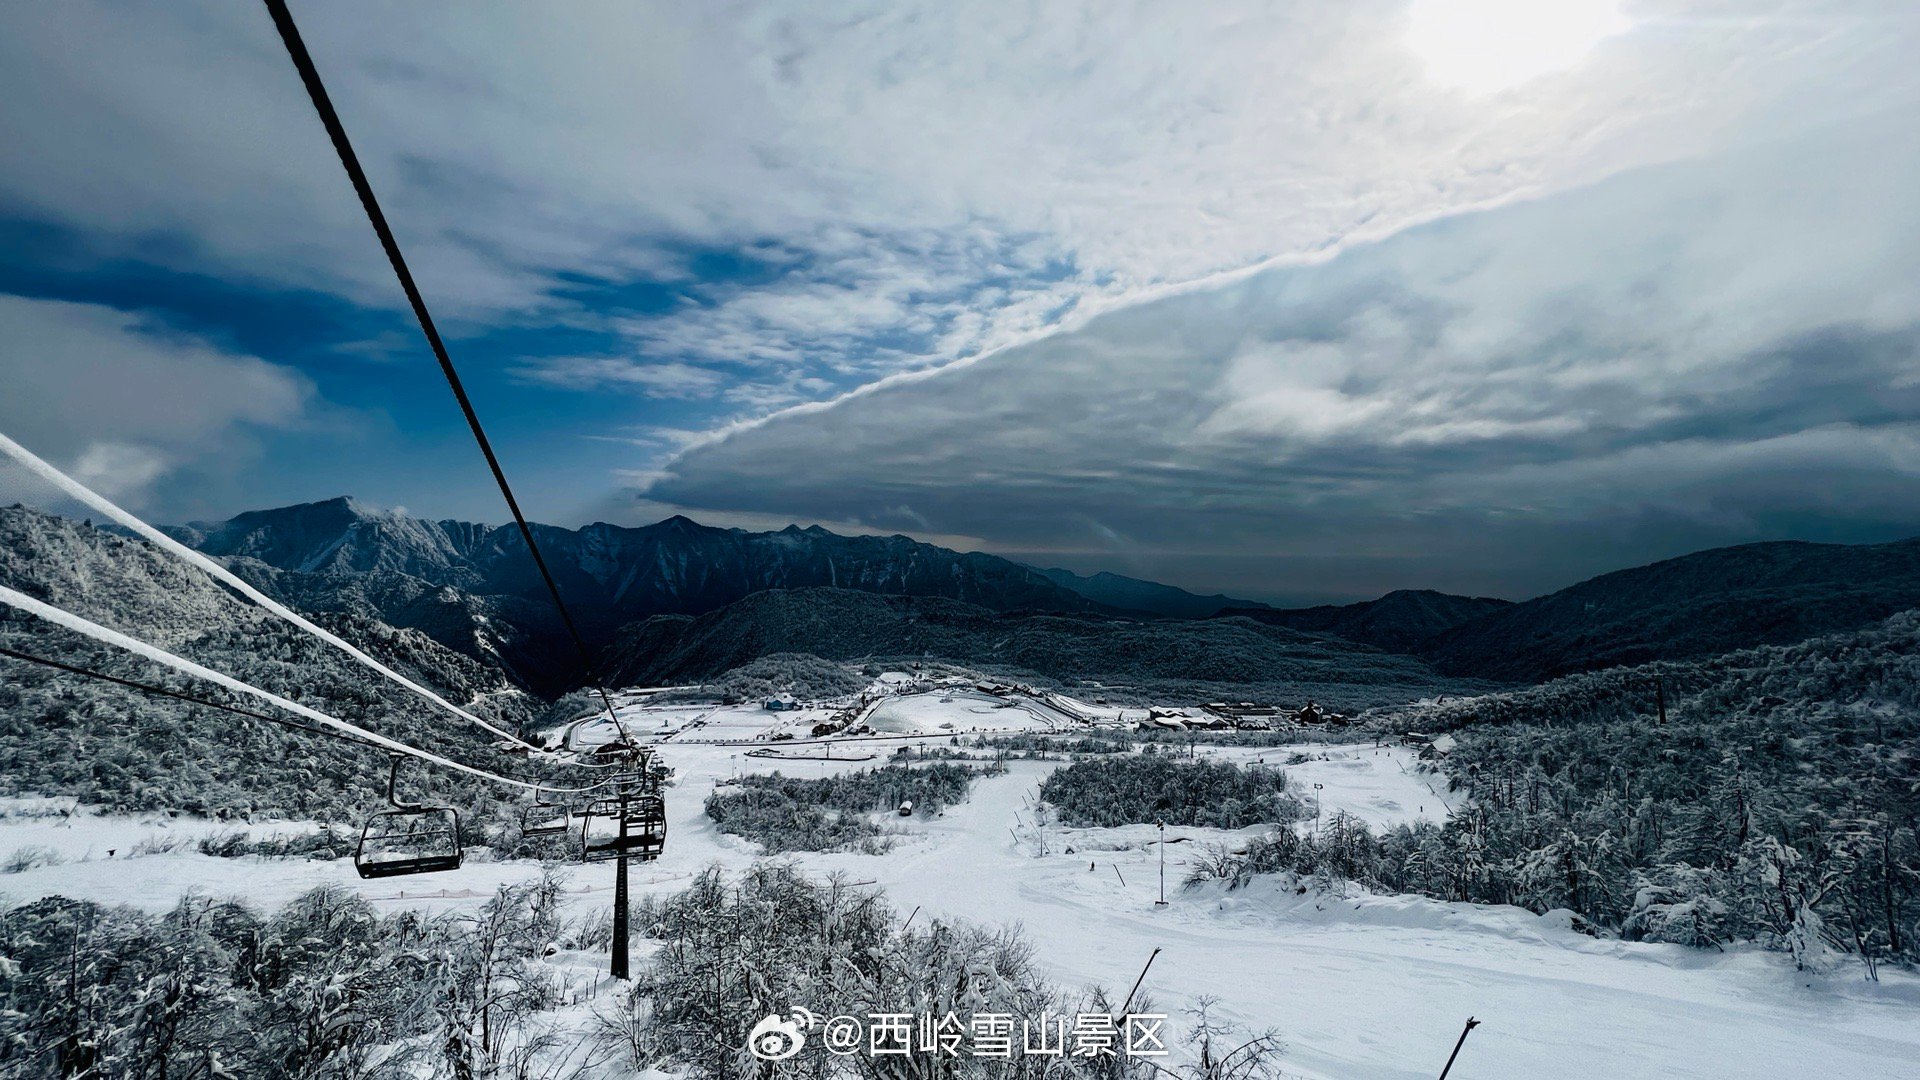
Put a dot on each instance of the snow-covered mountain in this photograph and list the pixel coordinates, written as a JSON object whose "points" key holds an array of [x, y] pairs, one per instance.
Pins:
{"points": [[616, 574], [474, 589]]}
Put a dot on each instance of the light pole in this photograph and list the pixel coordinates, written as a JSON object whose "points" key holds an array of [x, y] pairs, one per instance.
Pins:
{"points": [[1162, 902], [1316, 809]]}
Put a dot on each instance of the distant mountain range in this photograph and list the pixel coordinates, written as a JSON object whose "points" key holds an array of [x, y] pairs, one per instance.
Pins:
{"points": [[1132, 594], [716, 595], [474, 588], [1403, 621], [615, 574]]}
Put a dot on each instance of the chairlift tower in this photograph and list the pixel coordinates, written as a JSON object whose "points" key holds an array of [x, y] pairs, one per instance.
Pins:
{"points": [[618, 968], [631, 824]]}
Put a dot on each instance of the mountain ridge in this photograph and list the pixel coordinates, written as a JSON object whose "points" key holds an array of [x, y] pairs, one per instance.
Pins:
{"points": [[1399, 621], [474, 589], [1773, 592], [619, 573], [1137, 594], [1204, 656]]}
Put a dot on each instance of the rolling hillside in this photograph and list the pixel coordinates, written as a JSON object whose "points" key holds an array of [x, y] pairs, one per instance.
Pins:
{"points": [[1146, 597], [843, 625], [1401, 621], [1709, 602]]}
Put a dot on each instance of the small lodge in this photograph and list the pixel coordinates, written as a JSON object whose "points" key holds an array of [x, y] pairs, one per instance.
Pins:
{"points": [[1172, 719], [1311, 714], [781, 703]]}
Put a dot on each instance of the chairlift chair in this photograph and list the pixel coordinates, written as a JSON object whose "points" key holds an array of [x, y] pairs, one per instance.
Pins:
{"points": [[632, 824], [545, 818], [411, 838]]}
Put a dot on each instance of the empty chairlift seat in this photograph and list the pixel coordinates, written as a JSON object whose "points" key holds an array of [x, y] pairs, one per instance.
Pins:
{"points": [[544, 818], [408, 839], [419, 841]]}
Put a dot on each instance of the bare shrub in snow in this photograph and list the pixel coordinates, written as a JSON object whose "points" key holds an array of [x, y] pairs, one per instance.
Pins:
{"points": [[30, 856]]}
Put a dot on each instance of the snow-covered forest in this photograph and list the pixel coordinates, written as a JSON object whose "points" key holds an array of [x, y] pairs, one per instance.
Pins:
{"points": [[828, 813], [1158, 788]]}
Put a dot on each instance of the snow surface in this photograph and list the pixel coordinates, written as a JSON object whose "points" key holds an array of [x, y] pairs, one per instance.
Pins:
{"points": [[1357, 987], [959, 712], [1383, 786]]}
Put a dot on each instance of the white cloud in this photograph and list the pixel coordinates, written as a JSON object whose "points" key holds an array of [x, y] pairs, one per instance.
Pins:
{"points": [[94, 389], [1166, 190], [665, 380], [117, 469]]}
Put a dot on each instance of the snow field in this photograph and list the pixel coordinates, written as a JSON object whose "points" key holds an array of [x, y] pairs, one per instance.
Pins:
{"points": [[1357, 987]]}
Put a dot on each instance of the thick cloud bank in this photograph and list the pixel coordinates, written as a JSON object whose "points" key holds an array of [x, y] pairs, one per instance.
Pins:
{"points": [[1679, 357]]}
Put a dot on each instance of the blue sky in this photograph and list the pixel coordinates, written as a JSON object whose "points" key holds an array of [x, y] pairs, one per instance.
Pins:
{"points": [[1295, 301]]}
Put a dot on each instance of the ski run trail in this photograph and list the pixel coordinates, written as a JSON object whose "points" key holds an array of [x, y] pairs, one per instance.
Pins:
{"points": [[1357, 987]]}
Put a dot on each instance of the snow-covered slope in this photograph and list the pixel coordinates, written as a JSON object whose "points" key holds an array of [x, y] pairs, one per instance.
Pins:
{"points": [[1357, 986]]}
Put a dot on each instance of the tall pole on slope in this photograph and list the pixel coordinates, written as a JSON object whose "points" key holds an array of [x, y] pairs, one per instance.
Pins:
{"points": [[1471, 1024], [1162, 902], [619, 969]]}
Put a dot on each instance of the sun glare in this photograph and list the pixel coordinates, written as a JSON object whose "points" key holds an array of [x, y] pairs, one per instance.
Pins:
{"points": [[1484, 46]]}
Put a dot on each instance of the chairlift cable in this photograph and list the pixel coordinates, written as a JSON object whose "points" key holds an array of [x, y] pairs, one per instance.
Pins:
{"points": [[79, 624], [337, 133], [80, 492]]}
